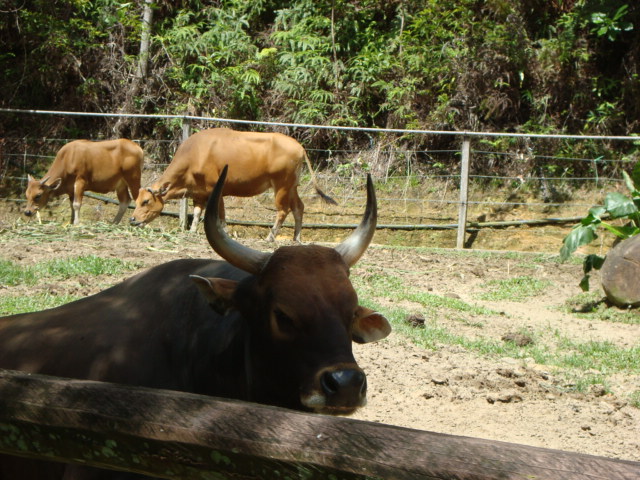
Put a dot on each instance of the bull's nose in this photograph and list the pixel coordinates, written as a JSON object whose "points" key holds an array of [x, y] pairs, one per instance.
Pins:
{"points": [[28, 213], [344, 387]]}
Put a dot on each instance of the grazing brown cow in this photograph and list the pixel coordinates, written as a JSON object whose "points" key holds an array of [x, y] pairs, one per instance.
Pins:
{"points": [[81, 165], [257, 161], [273, 328]]}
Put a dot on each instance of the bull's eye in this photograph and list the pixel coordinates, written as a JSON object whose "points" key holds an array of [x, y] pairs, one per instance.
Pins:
{"points": [[284, 323], [145, 203], [38, 197]]}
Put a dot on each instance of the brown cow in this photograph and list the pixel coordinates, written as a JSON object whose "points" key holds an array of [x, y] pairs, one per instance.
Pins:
{"points": [[274, 328], [257, 161], [81, 165]]}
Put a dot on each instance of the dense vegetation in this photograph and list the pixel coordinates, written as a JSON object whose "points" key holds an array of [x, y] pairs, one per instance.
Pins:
{"points": [[561, 66]]}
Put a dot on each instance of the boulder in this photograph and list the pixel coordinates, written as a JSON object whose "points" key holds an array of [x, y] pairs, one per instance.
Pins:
{"points": [[621, 273]]}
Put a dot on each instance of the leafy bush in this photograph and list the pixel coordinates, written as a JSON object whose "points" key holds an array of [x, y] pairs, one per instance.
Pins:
{"points": [[616, 206]]}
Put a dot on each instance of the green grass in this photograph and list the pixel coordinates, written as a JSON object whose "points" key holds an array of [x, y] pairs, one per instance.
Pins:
{"points": [[13, 274], [602, 356], [20, 304], [576, 359], [592, 306], [392, 287], [514, 289], [85, 265]]}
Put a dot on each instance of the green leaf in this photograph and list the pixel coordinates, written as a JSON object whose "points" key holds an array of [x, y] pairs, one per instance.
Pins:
{"points": [[628, 182], [619, 205], [623, 232], [580, 235], [584, 283], [592, 262], [594, 216]]}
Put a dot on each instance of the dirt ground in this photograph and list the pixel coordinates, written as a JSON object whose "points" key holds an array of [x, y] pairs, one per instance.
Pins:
{"points": [[447, 389]]}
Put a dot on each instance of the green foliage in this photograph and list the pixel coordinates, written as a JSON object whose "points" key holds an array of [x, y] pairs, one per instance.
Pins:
{"points": [[612, 23], [541, 67], [212, 55], [616, 206]]}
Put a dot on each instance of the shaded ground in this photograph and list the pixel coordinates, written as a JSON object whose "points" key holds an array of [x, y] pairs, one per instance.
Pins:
{"points": [[447, 388]]}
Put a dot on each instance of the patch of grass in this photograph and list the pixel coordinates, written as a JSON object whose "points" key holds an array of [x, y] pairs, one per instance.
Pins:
{"points": [[602, 356], [20, 304], [514, 289], [392, 287], [89, 264], [634, 399], [13, 274], [592, 306], [432, 336], [576, 382]]}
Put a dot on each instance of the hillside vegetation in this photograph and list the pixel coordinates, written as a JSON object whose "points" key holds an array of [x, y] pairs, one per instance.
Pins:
{"points": [[533, 66]]}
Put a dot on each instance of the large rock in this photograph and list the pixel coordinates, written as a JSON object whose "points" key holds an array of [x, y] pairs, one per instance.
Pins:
{"points": [[621, 273]]}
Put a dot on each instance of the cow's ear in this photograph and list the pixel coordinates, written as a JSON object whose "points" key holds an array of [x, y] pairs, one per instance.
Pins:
{"points": [[218, 292], [55, 184], [369, 326]]}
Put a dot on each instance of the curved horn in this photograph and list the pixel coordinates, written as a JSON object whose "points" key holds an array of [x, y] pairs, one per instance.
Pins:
{"points": [[355, 245], [236, 254]]}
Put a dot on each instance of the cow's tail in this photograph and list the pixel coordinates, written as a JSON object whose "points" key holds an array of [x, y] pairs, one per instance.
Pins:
{"points": [[326, 198]]}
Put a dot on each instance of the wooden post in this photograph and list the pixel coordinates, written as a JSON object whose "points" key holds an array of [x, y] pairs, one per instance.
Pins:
{"points": [[180, 435], [464, 192], [184, 201]]}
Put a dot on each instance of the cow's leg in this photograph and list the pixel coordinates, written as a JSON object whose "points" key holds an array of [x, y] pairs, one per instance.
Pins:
{"points": [[76, 201], [198, 207], [297, 208], [282, 206], [133, 181], [197, 211], [124, 198]]}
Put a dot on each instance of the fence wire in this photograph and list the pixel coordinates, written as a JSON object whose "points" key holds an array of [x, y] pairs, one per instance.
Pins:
{"points": [[416, 187]]}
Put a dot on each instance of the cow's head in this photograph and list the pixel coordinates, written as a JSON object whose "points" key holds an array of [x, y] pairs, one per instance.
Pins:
{"points": [[149, 204], [303, 314], [38, 193]]}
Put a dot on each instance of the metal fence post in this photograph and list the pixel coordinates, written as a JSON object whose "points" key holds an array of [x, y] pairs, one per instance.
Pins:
{"points": [[464, 192], [184, 202]]}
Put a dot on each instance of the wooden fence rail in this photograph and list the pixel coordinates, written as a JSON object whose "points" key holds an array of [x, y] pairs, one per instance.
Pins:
{"points": [[177, 435]]}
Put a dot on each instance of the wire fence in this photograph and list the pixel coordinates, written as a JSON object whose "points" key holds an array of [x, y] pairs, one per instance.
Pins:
{"points": [[417, 188]]}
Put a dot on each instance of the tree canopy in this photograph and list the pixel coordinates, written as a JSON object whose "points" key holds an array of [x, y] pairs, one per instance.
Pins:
{"points": [[534, 66]]}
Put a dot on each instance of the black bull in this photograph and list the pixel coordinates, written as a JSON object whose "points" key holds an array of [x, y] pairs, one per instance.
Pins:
{"points": [[270, 328]]}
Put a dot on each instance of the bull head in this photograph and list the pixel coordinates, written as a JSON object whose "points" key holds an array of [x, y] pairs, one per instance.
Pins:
{"points": [[303, 313]]}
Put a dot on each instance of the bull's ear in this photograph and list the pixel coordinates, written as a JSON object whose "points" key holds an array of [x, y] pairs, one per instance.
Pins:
{"points": [[369, 326], [218, 292], [55, 184]]}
